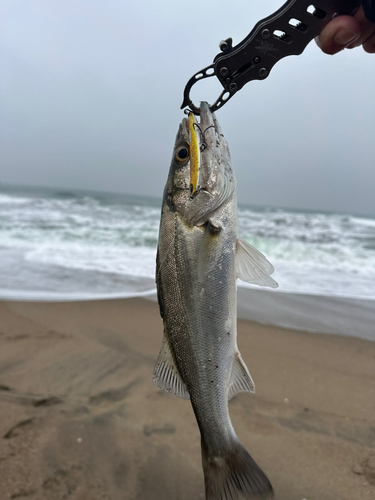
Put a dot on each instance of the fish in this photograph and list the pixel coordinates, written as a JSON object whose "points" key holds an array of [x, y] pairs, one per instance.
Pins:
{"points": [[199, 259]]}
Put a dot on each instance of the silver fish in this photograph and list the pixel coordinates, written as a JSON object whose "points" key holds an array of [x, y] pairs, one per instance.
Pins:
{"points": [[199, 259]]}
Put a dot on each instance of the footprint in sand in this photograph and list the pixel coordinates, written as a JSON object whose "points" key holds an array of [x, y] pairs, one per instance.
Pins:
{"points": [[16, 429], [366, 469], [153, 429], [23, 494]]}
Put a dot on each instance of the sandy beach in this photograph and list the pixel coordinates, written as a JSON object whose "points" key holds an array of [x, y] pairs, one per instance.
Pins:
{"points": [[81, 419]]}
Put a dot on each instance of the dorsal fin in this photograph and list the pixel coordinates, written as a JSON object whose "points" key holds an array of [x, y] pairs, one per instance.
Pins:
{"points": [[166, 375], [252, 266], [241, 380]]}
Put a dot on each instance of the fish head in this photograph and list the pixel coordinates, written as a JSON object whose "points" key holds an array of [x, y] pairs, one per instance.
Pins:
{"points": [[201, 177]]}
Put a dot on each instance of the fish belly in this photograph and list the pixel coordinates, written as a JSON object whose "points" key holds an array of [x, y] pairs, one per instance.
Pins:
{"points": [[200, 318], [197, 296]]}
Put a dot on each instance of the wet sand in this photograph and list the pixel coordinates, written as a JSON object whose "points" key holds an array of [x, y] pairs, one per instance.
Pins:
{"points": [[81, 420]]}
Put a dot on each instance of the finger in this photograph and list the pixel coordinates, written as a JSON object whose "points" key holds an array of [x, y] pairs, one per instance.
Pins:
{"points": [[366, 27], [338, 34], [369, 45]]}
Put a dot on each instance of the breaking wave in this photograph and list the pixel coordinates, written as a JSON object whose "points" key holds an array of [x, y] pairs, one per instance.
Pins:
{"points": [[102, 244]]}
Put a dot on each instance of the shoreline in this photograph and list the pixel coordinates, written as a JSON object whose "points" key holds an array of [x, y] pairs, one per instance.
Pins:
{"points": [[346, 316], [81, 417]]}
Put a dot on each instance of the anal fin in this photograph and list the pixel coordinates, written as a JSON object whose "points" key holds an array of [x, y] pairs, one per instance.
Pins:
{"points": [[166, 375], [241, 380]]}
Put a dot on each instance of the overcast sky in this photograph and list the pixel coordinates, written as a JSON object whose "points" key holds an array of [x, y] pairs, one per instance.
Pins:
{"points": [[90, 93]]}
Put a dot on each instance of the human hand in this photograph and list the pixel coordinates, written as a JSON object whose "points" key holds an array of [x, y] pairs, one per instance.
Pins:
{"points": [[347, 32]]}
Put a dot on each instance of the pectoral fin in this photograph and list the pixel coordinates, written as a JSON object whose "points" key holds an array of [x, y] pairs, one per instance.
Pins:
{"points": [[166, 375], [252, 266], [241, 380]]}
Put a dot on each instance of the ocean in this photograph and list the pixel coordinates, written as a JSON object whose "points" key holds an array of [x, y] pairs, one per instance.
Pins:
{"points": [[71, 245]]}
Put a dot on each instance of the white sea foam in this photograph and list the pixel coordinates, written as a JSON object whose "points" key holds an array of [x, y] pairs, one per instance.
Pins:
{"points": [[315, 253], [40, 296], [129, 261], [12, 200]]}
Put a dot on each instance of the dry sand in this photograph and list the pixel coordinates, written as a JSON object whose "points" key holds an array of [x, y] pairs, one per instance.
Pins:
{"points": [[81, 420]]}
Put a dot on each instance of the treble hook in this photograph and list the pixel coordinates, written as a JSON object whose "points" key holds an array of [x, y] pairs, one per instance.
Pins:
{"points": [[203, 145]]}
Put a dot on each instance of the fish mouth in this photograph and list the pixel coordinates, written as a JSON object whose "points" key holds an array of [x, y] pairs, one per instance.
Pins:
{"points": [[199, 143], [209, 123], [215, 181], [205, 141]]}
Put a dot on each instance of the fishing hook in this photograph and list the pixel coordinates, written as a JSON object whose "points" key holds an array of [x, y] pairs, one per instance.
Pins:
{"points": [[203, 145]]}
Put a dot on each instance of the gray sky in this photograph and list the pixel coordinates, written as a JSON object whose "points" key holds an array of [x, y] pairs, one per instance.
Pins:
{"points": [[90, 94]]}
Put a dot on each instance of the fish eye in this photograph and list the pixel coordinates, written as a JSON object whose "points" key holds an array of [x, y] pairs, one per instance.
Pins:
{"points": [[182, 154]]}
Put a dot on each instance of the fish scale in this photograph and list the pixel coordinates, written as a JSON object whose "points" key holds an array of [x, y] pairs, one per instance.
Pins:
{"points": [[199, 258]]}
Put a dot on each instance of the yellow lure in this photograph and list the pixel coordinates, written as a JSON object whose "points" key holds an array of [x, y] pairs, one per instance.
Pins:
{"points": [[194, 154]]}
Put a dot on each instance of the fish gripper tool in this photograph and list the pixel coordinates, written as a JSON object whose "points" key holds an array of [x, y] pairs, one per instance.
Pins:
{"points": [[286, 32]]}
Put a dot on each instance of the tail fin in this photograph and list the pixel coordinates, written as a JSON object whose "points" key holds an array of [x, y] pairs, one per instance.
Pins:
{"points": [[234, 472]]}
